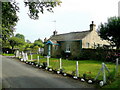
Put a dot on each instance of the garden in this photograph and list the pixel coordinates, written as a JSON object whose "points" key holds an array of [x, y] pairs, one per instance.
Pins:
{"points": [[86, 69]]}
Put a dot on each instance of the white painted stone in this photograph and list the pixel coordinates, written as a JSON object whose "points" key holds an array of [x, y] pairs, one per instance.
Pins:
{"points": [[50, 69], [101, 83], [64, 74], [21, 60], [40, 66], [82, 79], [32, 63], [36, 65], [75, 77], [46, 68], [58, 72], [89, 81]]}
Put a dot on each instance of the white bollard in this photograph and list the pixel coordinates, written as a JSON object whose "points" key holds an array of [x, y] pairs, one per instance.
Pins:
{"points": [[20, 55], [60, 63], [31, 57], [38, 62], [104, 75], [17, 53], [26, 56], [117, 65], [77, 71]]}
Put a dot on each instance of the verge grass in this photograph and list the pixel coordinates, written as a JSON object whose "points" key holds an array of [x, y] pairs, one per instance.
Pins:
{"points": [[4, 54], [88, 67]]}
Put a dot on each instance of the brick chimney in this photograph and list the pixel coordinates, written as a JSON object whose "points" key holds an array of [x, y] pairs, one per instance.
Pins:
{"points": [[92, 26]]}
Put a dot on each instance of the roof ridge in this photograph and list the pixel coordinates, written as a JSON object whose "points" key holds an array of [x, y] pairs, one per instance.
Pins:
{"points": [[73, 32]]}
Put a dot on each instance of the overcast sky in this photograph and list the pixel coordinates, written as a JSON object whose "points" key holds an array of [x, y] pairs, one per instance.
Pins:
{"points": [[71, 16]]}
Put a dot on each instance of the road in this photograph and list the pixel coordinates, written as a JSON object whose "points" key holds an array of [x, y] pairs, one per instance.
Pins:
{"points": [[16, 74]]}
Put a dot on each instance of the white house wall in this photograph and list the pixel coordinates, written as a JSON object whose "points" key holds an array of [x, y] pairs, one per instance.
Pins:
{"points": [[93, 39]]}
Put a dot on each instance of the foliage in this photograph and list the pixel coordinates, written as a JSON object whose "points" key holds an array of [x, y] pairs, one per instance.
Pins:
{"points": [[28, 41], [21, 36], [88, 67], [38, 43], [111, 31], [112, 76], [113, 80], [10, 18], [7, 54], [38, 6], [14, 41]]}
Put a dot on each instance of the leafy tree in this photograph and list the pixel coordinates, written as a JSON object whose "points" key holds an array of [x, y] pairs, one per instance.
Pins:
{"points": [[21, 36], [9, 19], [36, 7], [28, 41], [111, 31], [38, 43], [10, 9], [14, 41]]}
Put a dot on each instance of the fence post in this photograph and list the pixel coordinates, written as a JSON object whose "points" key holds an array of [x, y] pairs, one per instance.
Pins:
{"points": [[104, 75], [47, 61], [116, 65], [26, 56], [31, 57], [77, 72], [17, 53], [60, 63], [38, 60]]}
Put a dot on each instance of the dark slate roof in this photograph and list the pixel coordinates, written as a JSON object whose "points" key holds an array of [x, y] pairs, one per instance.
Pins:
{"points": [[69, 36]]}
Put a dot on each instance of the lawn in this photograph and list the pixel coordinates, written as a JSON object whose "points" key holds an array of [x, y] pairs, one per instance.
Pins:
{"points": [[4, 54], [88, 67]]}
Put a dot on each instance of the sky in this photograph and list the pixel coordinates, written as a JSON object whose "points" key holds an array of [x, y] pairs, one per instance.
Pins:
{"points": [[71, 16]]}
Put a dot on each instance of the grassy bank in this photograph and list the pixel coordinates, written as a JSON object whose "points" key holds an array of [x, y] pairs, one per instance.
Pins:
{"points": [[4, 54], [88, 67]]}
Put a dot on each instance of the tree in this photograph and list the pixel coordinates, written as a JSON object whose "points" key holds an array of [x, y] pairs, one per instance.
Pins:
{"points": [[9, 19], [111, 31], [28, 41], [38, 43], [21, 36], [14, 41], [10, 9]]}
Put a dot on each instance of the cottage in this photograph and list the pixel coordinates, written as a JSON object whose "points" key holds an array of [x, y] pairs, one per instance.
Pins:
{"points": [[72, 43]]}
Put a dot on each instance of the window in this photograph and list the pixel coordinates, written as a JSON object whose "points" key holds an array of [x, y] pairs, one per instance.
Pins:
{"points": [[56, 47], [87, 45], [98, 45], [68, 48]]}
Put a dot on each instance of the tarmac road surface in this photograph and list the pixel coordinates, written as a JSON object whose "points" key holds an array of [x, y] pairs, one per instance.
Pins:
{"points": [[16, 74]]}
